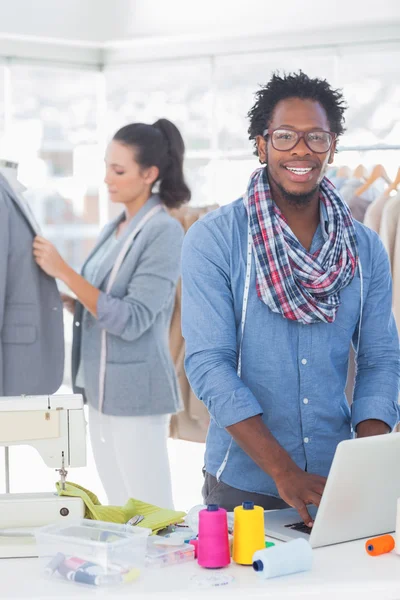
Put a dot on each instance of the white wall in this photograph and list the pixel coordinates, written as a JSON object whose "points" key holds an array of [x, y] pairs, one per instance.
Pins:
{"points": [[151, 18], [98, 21], [78, 20]]}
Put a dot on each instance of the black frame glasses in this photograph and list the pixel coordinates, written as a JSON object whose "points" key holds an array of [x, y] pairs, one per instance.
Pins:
{"points": [[301, 135]]}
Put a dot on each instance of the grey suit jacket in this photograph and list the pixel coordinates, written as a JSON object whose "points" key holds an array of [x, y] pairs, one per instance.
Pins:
{"points": [[140, 376], [31, 319]]}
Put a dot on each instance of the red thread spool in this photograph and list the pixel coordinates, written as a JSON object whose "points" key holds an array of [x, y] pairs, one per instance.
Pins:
{"points": [[195, 543], [380, 545]]}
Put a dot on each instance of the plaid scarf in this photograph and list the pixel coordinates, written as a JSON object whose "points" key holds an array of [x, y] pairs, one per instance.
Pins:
{"points": [[300, 286]]}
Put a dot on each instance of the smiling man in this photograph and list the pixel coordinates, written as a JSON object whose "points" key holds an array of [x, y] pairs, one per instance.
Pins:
{"points": [[276, 287]]}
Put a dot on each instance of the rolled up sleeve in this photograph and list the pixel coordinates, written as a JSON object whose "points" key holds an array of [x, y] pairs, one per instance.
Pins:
{"points": [[378, 363], [209, 329]]}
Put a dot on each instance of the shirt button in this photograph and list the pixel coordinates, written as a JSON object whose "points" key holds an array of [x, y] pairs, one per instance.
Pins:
{"points": [[306, 440], [305, 400], [77, 324], [303, 361]]}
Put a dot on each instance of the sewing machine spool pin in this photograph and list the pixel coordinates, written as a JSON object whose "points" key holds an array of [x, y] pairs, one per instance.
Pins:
{"points": [[63, 472]]}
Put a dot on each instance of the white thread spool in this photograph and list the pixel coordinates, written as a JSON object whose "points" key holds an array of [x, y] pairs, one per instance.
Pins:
{"points": [[283, 559], [192, 518]]}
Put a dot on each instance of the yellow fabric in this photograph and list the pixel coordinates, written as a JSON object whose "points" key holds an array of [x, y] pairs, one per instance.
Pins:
{"points": [[155, 518]]}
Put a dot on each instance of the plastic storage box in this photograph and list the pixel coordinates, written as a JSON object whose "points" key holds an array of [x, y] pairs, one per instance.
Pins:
{"points": [[92, 552], [159, 554]]}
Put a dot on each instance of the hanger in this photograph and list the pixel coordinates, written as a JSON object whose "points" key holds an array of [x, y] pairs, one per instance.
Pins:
{"points": [[343, 171], [360, 172], [377, 172], [393, 186]]}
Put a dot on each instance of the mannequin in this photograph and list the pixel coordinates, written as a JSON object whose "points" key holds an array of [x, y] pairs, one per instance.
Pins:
{"points": [[9, 170], [31, 320]]}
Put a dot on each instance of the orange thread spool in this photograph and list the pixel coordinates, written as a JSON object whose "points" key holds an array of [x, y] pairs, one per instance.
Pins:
{"points": [[380, 545]]}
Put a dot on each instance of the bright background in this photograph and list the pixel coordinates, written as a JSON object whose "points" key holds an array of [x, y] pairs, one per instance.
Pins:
{"points": [[72, 73]]}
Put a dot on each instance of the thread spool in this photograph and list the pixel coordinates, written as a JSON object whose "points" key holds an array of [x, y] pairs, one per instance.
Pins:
{"points": [[284, 559], [380, 545], [213, 544], [192, 518], [195, 544], [248, 532], [55, 562]]}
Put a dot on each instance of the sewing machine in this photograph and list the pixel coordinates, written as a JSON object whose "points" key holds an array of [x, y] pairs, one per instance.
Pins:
{"points": [[56, 427]]}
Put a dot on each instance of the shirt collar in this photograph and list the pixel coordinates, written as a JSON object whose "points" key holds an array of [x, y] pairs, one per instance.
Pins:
{"points": [[324, 220]]}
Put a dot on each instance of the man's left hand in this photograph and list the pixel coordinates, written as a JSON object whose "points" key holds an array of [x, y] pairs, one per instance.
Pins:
{"points": [[371, 427]]}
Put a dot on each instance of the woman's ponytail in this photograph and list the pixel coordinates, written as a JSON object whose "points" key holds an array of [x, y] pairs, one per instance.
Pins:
{"points": [[173, 189]]}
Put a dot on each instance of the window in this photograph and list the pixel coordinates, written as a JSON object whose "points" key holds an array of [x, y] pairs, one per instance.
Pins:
{"points": [[371, 88], [237, 79], [53, 137], [179, 91]]}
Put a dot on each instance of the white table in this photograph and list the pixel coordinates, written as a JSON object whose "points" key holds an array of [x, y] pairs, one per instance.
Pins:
{"points": [[340, 572]]}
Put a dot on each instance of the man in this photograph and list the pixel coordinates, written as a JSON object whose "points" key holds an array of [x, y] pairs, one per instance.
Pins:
{"points": [[269, 312]]}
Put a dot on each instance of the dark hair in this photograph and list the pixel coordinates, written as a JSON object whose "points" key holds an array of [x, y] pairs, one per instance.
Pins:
{"points": [[295, 85], [159, 145]]}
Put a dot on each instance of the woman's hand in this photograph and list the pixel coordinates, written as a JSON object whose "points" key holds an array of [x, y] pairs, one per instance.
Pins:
{"points": [[48, 258], [51, 262], [68, 303]]}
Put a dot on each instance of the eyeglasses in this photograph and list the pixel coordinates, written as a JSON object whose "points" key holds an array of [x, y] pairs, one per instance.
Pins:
{"points": [[317, 141]]}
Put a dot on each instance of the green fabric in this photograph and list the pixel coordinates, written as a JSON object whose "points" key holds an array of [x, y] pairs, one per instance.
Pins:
{"points": [[155, 518]]}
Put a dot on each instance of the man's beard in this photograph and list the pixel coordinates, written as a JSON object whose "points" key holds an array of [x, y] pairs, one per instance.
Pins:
{"points": [[298, 200]]}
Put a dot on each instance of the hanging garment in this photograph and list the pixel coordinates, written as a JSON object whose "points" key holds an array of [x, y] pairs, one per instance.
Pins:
{"points": [[373, 214], [31, 319], [192, 422], [359, 204], [387, 232], [396, 271]]}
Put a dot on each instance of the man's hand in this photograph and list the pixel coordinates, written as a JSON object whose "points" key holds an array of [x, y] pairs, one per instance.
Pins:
{"points": [[371, 427], [298, 488], [295, 487]]}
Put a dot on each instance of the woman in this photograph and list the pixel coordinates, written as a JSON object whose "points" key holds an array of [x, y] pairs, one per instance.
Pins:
{"points": [[125, 296]]}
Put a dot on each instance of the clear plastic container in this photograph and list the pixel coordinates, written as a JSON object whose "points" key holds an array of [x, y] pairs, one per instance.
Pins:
{"points": [[92, 552], [159, 554]]}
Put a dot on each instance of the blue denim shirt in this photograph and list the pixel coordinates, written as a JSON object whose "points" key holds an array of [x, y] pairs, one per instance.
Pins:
{"points": [[293, 375]]}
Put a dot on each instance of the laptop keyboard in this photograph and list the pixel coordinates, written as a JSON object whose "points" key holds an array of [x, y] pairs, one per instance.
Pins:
{"points": [[300, 527]]}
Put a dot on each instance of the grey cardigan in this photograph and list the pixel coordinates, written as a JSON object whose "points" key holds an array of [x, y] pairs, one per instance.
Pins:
{"points": [[140, 376]]}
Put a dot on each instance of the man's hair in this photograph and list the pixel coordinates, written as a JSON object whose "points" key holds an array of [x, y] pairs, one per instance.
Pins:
{"points": [[295, 85]]}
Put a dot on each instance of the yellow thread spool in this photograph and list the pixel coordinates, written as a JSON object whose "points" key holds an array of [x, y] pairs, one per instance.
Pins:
{"points": [[248, 532]]}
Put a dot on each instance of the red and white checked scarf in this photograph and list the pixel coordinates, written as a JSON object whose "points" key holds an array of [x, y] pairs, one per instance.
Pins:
{"points": [[300, 286]]}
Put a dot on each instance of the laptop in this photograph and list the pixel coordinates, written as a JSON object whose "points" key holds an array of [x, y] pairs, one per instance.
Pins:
{"points": [[359, 500]]}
